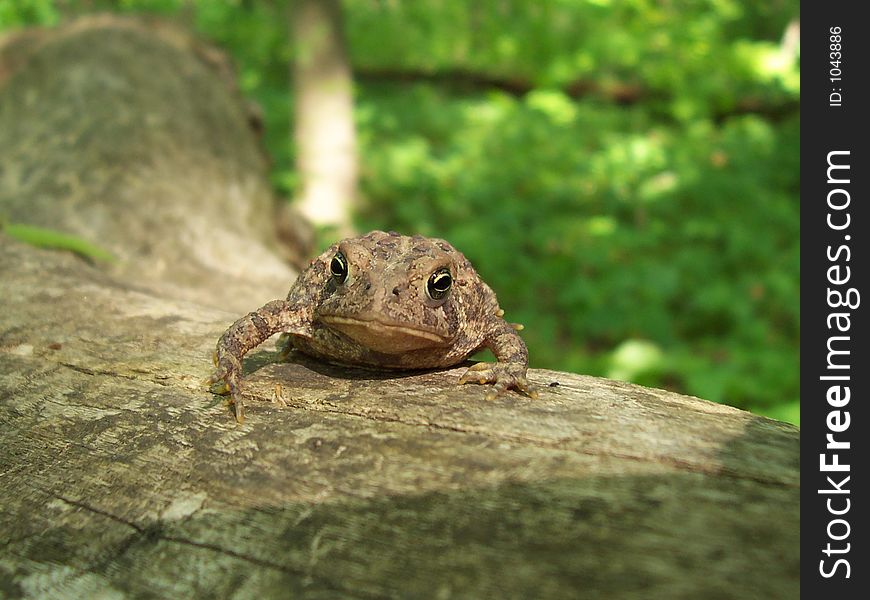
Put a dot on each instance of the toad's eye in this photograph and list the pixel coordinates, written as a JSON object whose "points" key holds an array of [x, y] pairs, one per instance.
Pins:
{"points": [[338, 267], [439, 284]]}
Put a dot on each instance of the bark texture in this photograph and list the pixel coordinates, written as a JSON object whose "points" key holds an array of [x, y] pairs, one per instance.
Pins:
{"points": [[133, 136], [123, 477]]}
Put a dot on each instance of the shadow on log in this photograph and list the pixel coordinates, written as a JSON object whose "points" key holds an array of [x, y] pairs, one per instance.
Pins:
{"points": [[122, 476]]}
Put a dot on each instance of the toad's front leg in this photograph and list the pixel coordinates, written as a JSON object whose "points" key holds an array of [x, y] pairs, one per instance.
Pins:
{"points": [[245, 334], [513, 361]]}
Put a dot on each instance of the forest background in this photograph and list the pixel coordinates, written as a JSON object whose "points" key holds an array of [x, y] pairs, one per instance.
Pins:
{"points": [[625, 174]]}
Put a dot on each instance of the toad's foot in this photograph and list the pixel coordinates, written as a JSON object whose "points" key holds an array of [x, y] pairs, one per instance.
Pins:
{"points": [[228, 371], [504, 376]]}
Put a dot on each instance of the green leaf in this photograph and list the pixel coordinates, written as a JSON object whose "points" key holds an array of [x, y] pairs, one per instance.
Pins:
{"points": [[56, 240]]}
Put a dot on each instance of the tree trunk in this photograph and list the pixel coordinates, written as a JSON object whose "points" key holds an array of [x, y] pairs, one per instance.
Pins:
{"points": [[121, 475], [325, 133]]}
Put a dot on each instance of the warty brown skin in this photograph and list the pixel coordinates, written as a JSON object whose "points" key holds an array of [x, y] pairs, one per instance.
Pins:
{"points": [[378, 300]]}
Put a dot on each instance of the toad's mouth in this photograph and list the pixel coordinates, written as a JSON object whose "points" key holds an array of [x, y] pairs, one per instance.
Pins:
{"points": [[389, 338]]}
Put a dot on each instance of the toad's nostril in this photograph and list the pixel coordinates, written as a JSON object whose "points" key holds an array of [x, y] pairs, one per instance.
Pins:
{"points": [[396, 291]]}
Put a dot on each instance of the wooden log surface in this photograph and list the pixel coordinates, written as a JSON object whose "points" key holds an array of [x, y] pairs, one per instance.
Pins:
{"points": [[121, 476]]}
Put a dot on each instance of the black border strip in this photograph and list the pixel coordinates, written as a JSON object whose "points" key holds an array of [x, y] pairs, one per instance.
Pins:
{"points": [[834, 260]]}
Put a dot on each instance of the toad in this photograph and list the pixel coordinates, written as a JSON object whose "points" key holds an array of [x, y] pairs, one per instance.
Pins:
{"points": [[384, 301]]}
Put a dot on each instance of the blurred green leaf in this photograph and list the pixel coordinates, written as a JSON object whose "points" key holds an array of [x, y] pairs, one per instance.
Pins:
{"points": [[56, 240], [633, 358]]}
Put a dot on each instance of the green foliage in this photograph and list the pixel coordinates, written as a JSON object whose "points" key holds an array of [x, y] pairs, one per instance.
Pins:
{"points": [[17, 13], [657, 241], [599, 224], [646, 228]]}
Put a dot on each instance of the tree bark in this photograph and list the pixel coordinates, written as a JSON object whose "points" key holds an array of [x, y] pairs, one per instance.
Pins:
{"points": [[122, 476], [144, 147], [325, 132]]}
